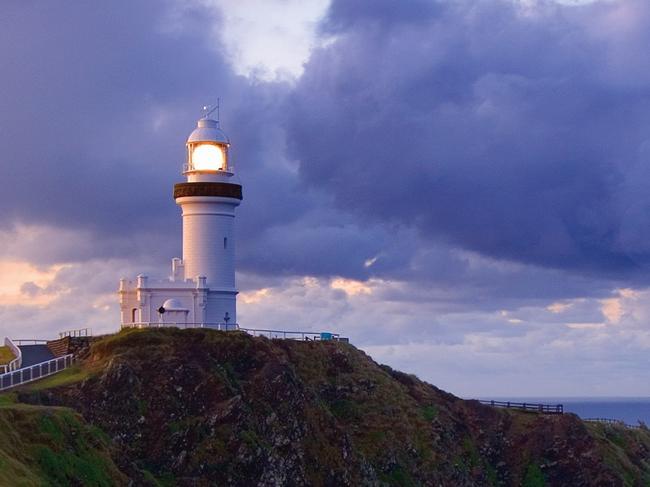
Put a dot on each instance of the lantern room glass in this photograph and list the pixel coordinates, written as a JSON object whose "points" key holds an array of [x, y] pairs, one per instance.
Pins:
{"points": [[208, 157]]}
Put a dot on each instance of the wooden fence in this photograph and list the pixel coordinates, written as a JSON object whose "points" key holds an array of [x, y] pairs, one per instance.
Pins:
{"points": [[527, 406], [613, 422]]}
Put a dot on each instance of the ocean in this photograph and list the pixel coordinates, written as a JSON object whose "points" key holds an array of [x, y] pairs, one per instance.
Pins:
{"points": [[630, 410]]}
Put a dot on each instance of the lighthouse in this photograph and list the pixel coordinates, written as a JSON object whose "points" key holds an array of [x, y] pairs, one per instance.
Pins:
{"points": [[201, 289]]}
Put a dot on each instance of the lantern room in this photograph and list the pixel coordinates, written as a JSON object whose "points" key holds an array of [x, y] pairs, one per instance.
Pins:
{"points": [[207, 149]]}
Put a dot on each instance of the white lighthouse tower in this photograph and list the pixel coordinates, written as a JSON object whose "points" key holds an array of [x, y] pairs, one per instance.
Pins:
{"points": [[201, 289], [208, 200]]}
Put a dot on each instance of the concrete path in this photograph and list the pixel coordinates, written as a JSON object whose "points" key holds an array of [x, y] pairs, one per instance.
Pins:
{"points": [[35, 354]]}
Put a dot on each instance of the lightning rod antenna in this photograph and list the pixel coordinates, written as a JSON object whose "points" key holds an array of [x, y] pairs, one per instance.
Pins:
{"points": [[209, 109]]}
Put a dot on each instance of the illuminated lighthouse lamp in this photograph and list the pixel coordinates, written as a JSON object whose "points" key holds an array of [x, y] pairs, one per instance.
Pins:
{"points": [[207, 148]]}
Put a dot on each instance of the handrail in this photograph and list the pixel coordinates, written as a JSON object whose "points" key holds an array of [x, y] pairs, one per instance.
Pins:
{"points": [[30, 341], [526, 406], [35, 372], [283, 334]]}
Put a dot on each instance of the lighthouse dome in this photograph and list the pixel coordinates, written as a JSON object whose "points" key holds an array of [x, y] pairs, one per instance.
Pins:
{"points": [[207, 130]]}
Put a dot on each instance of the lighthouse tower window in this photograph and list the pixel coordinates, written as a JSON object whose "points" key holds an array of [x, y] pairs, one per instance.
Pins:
{"points": [[225, 242]]}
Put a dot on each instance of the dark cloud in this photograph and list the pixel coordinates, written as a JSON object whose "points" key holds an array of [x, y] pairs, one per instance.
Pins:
{"points": [[493, 126], [422, 129], [95, 110], [91, 125], [95, 106]]}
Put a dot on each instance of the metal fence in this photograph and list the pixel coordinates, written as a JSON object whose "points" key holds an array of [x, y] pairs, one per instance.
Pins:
{"points": [[292, 335], [273, 334], [35, 372]]}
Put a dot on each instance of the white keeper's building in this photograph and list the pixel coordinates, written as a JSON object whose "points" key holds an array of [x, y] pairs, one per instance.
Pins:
{"points": [[200, 289]]}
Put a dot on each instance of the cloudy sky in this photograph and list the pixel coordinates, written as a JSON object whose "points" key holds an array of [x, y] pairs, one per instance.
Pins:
{"points": [[459, 186]]}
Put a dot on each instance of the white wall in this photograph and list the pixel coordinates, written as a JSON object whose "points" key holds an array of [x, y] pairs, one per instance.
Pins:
{"points": [[203, 305], [206, 222]]}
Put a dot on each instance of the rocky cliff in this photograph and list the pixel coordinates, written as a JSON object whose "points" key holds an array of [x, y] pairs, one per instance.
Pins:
{"points": [[199, 407]]}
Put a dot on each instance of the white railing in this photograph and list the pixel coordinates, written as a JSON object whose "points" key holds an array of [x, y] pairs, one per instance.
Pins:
{"points": [[30, 341], [35, 372], [273, 334], [214, 326], [15, 363], [292, 335]]}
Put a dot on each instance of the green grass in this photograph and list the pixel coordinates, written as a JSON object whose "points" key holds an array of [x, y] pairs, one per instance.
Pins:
{"points": [[52, 446], [7, 399], [429, 413], [71, 375], [6, 355], [62, 467], [345, 409], [398, 476], [534, 476]]}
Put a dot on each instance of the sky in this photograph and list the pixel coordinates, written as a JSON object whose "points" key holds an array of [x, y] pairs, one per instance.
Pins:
{"points": [[459, 186]]}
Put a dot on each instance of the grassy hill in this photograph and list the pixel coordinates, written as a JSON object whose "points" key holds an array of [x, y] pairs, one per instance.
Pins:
{"points": [[200, 407], [52, 446]]}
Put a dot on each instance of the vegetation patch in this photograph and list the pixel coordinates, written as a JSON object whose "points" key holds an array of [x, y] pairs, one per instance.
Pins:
{"points": [[534, 476], [71, 375], [429, 412], [7, 399], [54, 447], [345, 409], [6, 355], [398, 476]]}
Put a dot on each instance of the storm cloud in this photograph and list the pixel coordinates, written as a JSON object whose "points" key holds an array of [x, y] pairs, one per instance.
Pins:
{"points": [[514, 130]]}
